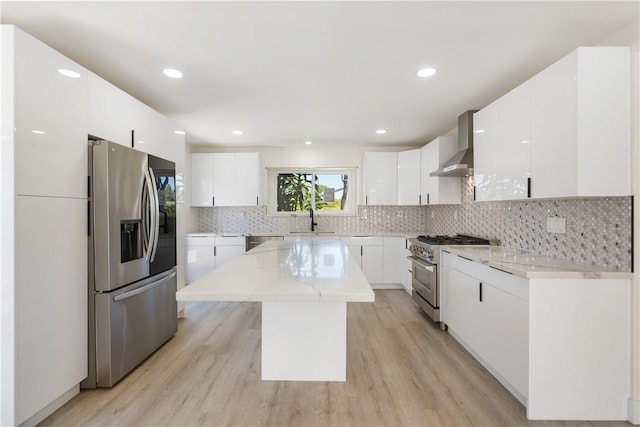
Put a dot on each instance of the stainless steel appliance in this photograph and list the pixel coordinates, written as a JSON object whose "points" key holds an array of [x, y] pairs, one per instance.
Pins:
{"points": [[461, 164], [132, 259], [425, 257]]}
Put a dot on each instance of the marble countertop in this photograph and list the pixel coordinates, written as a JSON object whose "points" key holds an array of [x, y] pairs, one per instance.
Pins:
{"points": [[405, 234], [278, 270], [532, 266]]}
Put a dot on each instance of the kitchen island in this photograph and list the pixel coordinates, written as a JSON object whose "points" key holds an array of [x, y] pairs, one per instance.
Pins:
{"points": [[304, 287]]}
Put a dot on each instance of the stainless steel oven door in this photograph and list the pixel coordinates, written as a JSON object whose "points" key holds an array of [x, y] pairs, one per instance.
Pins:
{"points": [[425, 286]]}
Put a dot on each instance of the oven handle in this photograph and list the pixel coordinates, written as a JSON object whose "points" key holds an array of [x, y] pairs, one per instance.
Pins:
{"points": [[420, 263]]}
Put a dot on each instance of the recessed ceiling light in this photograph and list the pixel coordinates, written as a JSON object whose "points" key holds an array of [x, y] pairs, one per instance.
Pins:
{"points": [[174, 74], [38, 132], [381, 131], [426, 72], [179, 132], [69, 73], [237, 132], [479, 130], [307, 142]]}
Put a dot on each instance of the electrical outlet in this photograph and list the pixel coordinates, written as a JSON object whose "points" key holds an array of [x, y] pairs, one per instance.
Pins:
{"points": [[556, 224]]}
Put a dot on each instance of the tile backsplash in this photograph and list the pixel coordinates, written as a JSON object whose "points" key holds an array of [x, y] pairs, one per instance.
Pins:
{"points": [[598, 230]]}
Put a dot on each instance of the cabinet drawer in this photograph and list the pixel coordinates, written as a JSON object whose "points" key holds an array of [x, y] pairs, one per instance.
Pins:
{"points": [[200, 240], [507, 282], [362, 240], [222, 240]]}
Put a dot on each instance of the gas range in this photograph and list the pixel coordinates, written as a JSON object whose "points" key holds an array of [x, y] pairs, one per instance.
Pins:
{"points": [[427, 247], [425, 272]]}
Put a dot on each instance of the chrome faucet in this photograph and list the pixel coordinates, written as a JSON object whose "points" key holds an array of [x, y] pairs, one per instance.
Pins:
{"points": [[313, 224]]}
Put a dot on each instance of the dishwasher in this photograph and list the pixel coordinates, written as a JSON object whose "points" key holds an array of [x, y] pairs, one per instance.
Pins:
{"points": [[253, 241]]}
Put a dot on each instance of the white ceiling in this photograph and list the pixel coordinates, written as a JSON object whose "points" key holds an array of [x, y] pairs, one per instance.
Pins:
{"points": [[329, 72]]}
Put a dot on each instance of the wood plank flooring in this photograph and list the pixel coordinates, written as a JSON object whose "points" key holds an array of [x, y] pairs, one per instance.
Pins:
{"points": [[401, 371]]}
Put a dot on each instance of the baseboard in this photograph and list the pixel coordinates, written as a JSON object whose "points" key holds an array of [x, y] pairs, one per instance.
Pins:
{"points": [[633, 411], [39, 416]]}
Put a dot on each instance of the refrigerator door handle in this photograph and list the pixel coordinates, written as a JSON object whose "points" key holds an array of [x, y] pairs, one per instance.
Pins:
{"points": [[138, 291], [155, 215], [150, 201]]}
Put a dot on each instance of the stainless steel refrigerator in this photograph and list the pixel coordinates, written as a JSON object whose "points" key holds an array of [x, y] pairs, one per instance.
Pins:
{"points": [[132, 259]]}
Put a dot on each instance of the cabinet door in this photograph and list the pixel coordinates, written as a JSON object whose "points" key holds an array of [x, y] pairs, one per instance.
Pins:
{"points": [[200, 261], [381, 178], [554, 150], [201, 179], [372, 263], [442, 190], [247, 179], [355, 253], [462, 309], [50, 121], [51, 300], [393, 260], [226, 253], [502, 147], [425, 179], [409, 177], [224, 179], [505, 343], [112, 112]]}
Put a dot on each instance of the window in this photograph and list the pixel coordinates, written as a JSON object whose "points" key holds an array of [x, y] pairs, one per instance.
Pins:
{"points": [[328, 191]]}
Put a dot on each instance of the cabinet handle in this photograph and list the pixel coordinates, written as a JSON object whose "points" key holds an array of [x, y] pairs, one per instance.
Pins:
{"points": [[361, 250], [529, 187], [419, 199], [213, 200], [132, 138], [474, 193], [215, 253], [480, 291], [428, 198], [88, 217], [257, 201], [366, 200]]}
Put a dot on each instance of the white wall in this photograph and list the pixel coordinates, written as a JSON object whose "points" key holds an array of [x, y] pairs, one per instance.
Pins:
{"points": [[630, 36]]}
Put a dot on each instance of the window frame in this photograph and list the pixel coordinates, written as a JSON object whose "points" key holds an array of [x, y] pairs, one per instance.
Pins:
{"points": [[352, 204]]}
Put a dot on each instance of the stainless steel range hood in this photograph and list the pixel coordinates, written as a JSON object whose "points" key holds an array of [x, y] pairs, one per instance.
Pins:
{"points": [[461, 164]]}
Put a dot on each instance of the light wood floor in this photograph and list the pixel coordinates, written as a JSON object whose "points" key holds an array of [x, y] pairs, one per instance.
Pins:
{"points": [[401, 371]]}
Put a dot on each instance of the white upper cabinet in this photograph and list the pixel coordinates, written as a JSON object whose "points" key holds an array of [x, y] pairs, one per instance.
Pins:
{"points": [[49, 117], [436, 190], [409, 177], [112, 113], [247, 179], [563, 133], [580, 125], [502, 158], [225, 179], [381, 178], [202, 179], [116, 116]]}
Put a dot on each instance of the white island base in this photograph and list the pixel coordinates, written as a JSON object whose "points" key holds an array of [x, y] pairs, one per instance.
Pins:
{"points": [[304, 341], [304, 287]]}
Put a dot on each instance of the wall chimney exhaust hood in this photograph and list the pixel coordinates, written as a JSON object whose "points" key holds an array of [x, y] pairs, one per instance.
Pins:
{"points": [[461, 164]]}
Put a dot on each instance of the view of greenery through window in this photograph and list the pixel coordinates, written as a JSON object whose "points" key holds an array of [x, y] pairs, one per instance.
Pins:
{"points": [[299, 191]]}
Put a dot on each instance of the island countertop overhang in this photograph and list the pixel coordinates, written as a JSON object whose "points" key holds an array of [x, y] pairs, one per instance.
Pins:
{"points": [[300, 270]]}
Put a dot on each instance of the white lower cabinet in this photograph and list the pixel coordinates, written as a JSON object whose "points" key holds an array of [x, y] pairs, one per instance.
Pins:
{"points": [[206, 252], [367, 251], [544, 339], [200, 256], [228, 247], [394, 261], [50, 300]]}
